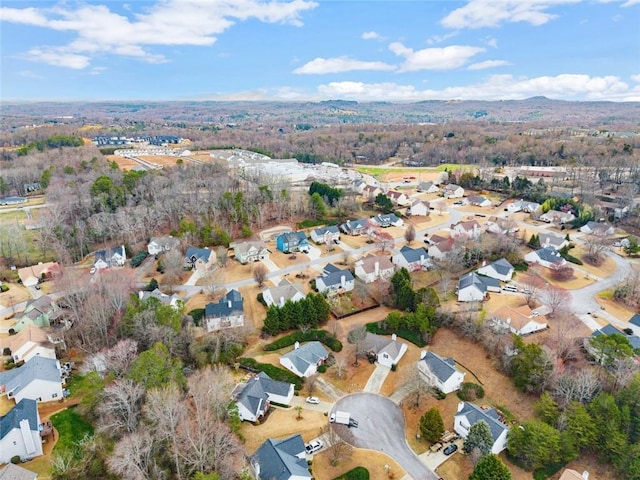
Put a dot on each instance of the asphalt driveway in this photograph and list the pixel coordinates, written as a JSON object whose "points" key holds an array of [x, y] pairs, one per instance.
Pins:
{"points": [[381, 427]]}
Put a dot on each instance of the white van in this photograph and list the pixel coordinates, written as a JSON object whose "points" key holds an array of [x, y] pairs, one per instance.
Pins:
{"points": [[510, 288]]}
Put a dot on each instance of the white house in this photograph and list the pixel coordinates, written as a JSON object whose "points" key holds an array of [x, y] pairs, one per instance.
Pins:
{"points": [[253, 397], [523, 206], [413, 259], [469, 414], [304, 360], [557, 217], [250, 251], [440, 249], [335, 280], [326, 235], [520, 320], [387, 351], [479, 201], [227, 313], [398, 198], [39, 379], [20, 432], [159, 245], [172, 300], [452, 190], [600, 229], [371, 192], [440, 372], [387, 220], [500, 269], [30, 342], [501, 226], [551, 240], [281, 460], [473, 287], [547, 257], [427, 187], [419, 208], [110, 257], [468, 229], [372, 267], [284, 292]]}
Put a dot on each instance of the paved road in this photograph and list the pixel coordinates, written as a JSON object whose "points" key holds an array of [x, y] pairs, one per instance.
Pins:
{"points": [[381, 428]]}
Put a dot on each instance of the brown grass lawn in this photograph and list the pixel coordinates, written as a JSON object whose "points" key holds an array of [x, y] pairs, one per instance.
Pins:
{"points": [[254, 311], [579, 279], [283, 260], [123, 163], [370, 459], [16, 294], [163, 160], [606, 269], [460, 466], [615, 308]]}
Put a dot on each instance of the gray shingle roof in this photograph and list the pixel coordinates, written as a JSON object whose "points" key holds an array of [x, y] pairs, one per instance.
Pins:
{"points": [[635, 320], [15, 472], [26, 409], [442, 368], [412, 255], [285, 290], [277, 459], [256, 392], [332, 275], [481, 282], [549, 254], [107, 254], [308, 354], [609, 329], [230, 303], [502, 266], [475, 414], [194, 254], [331, 229], [37, 368]]}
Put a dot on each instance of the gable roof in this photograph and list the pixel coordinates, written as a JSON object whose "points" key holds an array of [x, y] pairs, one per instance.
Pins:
{"points": [[16, 472], [230, 303], [481, 282], [25, 409], [425, 185], [278, 460], [635, 320], [518, 317], [413, 255], [475, 414], [355, 224], [395, 194], [308, 354], [442, 368], [332, 275], [285, 289], [36, 271], [502, 266], [107, 254], [157, 294], [445, 245], [198, 254], [386, 218], [165, 242], [244, 247], [609, 329], [551, 239], [330, 229], [451, 187], [549, 254], [31, 333], [368, 263], [467, 225], [256, 391], [37, 368]]}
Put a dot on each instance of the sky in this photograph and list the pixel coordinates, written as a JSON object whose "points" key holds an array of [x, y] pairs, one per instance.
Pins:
{"points": [[312, 50]]}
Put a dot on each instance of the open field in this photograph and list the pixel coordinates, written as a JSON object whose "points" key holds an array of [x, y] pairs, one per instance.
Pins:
{"points": [[162, 160], [370, 459]]}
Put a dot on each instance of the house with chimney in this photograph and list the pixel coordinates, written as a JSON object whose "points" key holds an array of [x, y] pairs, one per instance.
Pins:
{"points": [[419, 208], [501, 226], [441, 248], [371, 192], [519, 320], [254, 396], [552, 240], [598, 229], [386, 220], [304, 360], [41, 311], [452, 190], [399, 199], [373, 267], [31, 276], [227, 313], [523, 206], [427, 187], [440, 372], [173, 300], [199, 258], [20, 433], [110, 257], [250, 251], [479, 201], [325, 235], [469, 414], [557, 217], [469, 229], [335, 280], [500, 269], [284, 292], [548, 257], [413, 259], [355, 227], [474, 288], [387, 351], [39, 379], [281, 460], [30, 342]]}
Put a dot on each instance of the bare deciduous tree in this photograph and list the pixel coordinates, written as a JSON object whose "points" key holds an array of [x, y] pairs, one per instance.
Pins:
{"points": [[120, 407], [259, 273], [357, 337], [576, 386], [173, 262], [410, 233], [132, 457], [414, 385], [339, 440], [556, 298]]}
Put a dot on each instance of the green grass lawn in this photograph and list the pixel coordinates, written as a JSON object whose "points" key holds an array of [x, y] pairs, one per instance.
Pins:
{"points": [[71, 428]]}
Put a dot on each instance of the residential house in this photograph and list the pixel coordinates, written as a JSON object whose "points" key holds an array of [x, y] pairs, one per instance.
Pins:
{"points": [[519, 320], [419, 208], [440, 372], [16, 472], [523, 206], [413, 259], [227, 313], [30, 342], [159, 245], [31, 276], [427, 187], [548, 257], [473, 287], [358, 185], [292, 242], [199, 258], [569, 474], [468, 229], [557, 217], [551, 240], [284, 292], [39, 379], [441, 249], [387, 220], [479, 201], [469, 414], [387, 351], [600, 229], [251, 251], [635, 320], [609, 329], [41, 311], [172, 300], [110, 257], [253, 398], [371, 192], [398, 198], [452, 190], [335, 280], [500, 269], [326, 235], [372, 267], [281, 460], [20, 432], [501, 226], [355, 227], [304, 360]]}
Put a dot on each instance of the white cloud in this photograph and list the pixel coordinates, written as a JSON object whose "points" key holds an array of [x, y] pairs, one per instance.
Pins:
{"points": [[630, 3], [496, 87], [168, 22], [636, 78], [492, 13], [440, 38], [492, 42], [445, 58], [371, 36], [30, 74], [488, 64], [321, 65]]}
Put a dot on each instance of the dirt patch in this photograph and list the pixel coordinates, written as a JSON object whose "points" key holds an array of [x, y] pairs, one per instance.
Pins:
{"points": [[162, 160], [123, 163], [16, 294], [271, 234], [370, 459]]}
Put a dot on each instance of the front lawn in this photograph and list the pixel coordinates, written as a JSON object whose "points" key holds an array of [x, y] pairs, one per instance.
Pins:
{"points": [[351, 303]]}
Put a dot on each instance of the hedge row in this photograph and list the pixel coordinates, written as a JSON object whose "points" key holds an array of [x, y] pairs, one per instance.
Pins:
{"points": [[309, 336], [274, 372], [409, 335], [358, 473]]}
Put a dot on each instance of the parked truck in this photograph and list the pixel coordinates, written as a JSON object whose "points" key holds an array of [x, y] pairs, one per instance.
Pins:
{"points": [[340, 417]]}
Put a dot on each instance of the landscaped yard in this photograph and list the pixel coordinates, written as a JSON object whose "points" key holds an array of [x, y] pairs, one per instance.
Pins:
{"points": [[350, 303], [71, 428]]}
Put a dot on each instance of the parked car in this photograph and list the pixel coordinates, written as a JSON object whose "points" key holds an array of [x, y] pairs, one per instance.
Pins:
{"points": [[314, 446], [353, 423], [313, 400], [510, 288], [450, 449]]}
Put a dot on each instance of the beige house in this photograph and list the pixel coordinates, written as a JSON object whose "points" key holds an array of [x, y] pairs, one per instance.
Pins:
{"points": [[372, 267], [30, 276]]}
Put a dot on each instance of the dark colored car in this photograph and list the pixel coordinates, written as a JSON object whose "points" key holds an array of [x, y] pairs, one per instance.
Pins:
{"points": [[450, 449]]}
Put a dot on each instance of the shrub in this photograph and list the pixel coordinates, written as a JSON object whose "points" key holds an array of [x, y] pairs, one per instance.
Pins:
{"points": [[322, 369], [274, 372], [197, 314], [6, 352], [394, 367], [15, 459], [138, 258], [470, 391], [358, 473], [4, 288], [260, 299], [411, 336], [439, 394]]}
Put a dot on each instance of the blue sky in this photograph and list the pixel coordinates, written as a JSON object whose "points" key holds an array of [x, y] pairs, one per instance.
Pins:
{"points": [[317, 50]]}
